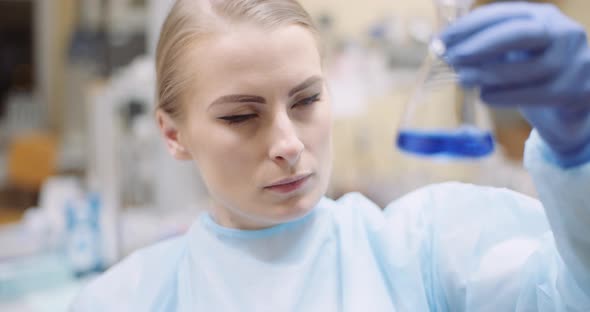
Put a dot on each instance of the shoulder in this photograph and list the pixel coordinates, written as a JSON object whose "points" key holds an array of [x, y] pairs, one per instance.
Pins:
{"points": [[145, 272], [354, 209], [441, 205], [463, 201], [452, 211]]}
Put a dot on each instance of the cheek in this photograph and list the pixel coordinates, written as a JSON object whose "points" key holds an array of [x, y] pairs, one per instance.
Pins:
{"points": [[321, 134], [322, 149], [221, 157]]}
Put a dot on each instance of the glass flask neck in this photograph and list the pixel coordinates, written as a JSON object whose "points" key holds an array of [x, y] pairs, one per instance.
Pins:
{"points": [[450, 10]]}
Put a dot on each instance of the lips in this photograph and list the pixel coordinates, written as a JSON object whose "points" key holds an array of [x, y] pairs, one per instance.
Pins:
{"points": [[289, 184]]}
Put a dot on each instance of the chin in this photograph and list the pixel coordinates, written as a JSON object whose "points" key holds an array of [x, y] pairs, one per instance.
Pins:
{"points": [[296, 207]]}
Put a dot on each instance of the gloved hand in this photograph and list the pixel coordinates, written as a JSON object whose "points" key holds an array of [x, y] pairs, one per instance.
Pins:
{"points": [[533, 57]]}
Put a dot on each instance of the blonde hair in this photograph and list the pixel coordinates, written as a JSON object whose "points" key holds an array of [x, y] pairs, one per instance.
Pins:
{"points": [[190, 21]]}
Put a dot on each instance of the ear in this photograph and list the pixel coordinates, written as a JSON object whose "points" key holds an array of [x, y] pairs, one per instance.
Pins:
{"points": [[171, 133]]}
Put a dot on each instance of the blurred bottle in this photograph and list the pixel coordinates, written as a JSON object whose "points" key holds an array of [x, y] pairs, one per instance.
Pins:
{"points": [[83, 246]]}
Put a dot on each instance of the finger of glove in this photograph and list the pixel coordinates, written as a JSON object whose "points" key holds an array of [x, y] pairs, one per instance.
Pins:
{"points": [[544, 119], [537, 69], [571, 122], [520, 96], [499, 42], [482, 18], [543, 72]]}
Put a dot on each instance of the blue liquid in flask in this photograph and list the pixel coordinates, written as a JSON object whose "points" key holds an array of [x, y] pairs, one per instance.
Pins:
{"points": [[465, 142]]}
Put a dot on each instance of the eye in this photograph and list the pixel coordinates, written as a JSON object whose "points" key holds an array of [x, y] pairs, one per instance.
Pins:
{"points": [[308, 101], [236, 119]]}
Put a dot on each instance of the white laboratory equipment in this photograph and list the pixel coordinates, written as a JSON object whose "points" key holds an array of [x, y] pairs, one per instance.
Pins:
{"points": [[128, 164]]}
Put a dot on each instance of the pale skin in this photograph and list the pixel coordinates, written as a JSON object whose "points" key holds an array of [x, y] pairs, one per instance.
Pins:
{"points": [[258, 113]]}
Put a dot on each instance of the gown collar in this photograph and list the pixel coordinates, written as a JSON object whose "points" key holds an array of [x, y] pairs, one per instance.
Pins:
{"points": [[209, 224]]}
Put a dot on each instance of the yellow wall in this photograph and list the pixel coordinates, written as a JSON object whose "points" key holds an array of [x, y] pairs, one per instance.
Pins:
{"points": [[578, 10], [354, 16]]}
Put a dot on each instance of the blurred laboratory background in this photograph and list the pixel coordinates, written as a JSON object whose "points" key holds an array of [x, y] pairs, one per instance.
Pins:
{"points": [[85, 178]]}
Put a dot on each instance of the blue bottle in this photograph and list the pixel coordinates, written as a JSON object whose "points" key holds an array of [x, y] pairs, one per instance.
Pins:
{"points": [[83, 245]]}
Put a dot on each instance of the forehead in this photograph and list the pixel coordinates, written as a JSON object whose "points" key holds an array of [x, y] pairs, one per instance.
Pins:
{"points": [[252, 57]]}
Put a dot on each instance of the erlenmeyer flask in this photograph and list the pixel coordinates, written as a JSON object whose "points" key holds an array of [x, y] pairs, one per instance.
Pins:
{"points": [[442, 118]]}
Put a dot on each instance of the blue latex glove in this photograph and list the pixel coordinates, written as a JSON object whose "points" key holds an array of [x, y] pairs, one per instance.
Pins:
{"points": [[533, 57]]}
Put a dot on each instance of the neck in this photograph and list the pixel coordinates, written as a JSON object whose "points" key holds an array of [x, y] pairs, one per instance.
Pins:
{"points": [[236, 220]]}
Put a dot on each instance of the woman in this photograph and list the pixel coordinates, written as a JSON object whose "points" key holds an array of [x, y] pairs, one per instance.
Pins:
{"points": [[241, 93]]}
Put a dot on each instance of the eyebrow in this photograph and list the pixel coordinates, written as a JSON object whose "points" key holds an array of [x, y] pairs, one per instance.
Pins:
{"points": [[304, 85], [242, 98], [239, 98]]}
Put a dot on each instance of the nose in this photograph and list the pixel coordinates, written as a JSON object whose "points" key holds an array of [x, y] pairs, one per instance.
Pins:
{"points": [[286, 147]]}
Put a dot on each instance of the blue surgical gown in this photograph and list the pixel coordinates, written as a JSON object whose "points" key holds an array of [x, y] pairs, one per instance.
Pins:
{"points": [[446, 247]]}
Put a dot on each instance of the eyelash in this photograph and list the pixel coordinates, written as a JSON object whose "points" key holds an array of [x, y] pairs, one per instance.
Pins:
{"points": [[236, 119], [308, 101]]}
